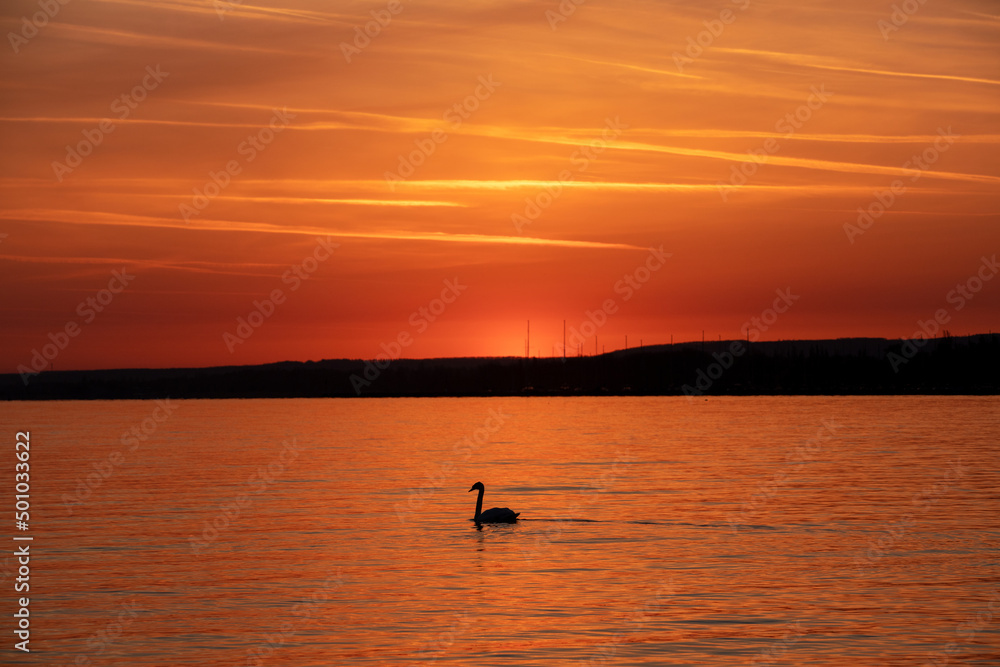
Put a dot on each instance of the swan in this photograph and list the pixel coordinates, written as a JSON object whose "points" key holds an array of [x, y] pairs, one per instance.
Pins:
{"points": [[493, 515]]}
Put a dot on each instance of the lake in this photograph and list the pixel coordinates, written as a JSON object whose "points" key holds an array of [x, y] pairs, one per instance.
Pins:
{"points": [[653, 531]]}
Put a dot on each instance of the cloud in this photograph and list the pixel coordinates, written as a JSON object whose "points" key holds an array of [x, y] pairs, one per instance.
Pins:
{"points": [[77, 217], [113, 37], [803, 60]]}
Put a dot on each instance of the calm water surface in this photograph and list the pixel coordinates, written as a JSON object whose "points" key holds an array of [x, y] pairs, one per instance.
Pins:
{"points": [[654, 531]]}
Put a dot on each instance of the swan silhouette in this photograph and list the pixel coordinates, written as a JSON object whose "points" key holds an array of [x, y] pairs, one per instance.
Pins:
{"points": [[493, 515]]}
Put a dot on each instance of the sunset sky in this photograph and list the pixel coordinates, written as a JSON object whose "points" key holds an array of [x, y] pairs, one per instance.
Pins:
{"points": [[533, 157]]}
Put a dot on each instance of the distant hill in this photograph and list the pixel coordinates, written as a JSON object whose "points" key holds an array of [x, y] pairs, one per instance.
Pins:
{"points": [[951, 365]]}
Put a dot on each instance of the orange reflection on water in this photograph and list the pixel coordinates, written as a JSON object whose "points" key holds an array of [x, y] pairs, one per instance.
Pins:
{"points": [[652, 530]]}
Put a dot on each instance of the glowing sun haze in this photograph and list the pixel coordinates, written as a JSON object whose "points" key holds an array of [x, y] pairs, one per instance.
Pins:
{"points": [[491, 163]]}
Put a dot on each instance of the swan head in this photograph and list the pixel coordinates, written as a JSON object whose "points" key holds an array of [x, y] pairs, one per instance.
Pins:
{"points": [[477, 486]]}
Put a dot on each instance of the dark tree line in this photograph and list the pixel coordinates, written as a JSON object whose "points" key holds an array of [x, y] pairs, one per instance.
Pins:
{"points": [[966, 365]]}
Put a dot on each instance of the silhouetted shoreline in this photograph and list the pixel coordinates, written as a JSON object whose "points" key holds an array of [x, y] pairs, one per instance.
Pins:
{"points": [[846, 366]]}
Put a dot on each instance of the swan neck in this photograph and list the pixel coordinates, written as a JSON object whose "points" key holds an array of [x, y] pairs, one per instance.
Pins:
{"points": [[479, 503]]}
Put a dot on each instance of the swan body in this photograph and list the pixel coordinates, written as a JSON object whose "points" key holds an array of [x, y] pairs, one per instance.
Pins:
{"points": [[492, 515]]}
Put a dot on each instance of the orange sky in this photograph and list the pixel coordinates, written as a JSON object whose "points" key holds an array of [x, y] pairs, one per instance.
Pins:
{"points": [[644, 111]]}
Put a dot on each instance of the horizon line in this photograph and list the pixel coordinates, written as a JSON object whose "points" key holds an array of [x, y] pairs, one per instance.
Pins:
{"points": [[707, 341]]}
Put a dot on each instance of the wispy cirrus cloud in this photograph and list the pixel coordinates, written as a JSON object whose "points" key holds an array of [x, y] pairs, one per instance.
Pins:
{"points": [[236, 9], [192, 266], [832, 64], [560, 135], [119, 37], [689, 132], [77, 217], [400, 203], [576, 138]]}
